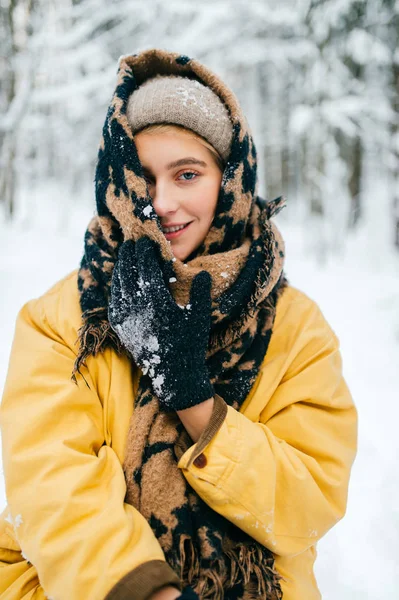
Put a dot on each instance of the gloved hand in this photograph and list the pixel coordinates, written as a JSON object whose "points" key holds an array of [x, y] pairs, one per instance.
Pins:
{"points": [[167, 341], [188, 594]]}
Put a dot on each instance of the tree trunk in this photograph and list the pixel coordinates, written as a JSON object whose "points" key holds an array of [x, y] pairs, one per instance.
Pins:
{"points": [[354, 183], [7, 137], [395, 152]]}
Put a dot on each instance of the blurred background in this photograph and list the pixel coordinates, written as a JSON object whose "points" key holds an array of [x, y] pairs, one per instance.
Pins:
{"points": [[319, 82]]}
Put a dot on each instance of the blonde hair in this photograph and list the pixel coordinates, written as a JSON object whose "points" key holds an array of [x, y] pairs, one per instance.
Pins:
{"points": [[167, 127]]}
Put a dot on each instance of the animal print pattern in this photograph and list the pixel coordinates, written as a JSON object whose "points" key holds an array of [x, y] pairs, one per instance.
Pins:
{"points": [[244, 254]]}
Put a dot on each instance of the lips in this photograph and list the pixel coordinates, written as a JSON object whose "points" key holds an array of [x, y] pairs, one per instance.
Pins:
{"points": [[175, 231], [174, 228]]}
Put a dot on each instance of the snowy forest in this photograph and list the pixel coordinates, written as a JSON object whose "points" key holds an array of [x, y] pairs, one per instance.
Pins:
{"points": [[319, 80], [319, 83]]}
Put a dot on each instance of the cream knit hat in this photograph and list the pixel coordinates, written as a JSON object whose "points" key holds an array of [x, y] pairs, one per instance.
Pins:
{"points": [[182, 101]]}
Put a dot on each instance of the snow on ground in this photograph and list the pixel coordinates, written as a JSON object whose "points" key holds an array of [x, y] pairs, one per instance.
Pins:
{"points": [[358, 559]]}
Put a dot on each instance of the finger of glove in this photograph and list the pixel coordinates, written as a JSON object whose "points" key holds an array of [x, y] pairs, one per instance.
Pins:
{"points": [[127, 271], [200, 293], [150, 270], [124, 285], [119, 304]]}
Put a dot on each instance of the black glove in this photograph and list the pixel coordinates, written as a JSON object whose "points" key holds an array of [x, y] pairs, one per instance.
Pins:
{"points": [[188, 594], [167, 341]]}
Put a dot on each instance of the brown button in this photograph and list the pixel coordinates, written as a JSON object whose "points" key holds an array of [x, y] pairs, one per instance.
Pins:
{"points": [[200, 461]]}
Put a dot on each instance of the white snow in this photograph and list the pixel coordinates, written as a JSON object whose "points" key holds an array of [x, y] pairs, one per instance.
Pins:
{"points": [[359, 296], [136, 333], [157, 383], [148, 365], [201, 100], [26, 558], [365, 47], [147, 210], [18, 521]]}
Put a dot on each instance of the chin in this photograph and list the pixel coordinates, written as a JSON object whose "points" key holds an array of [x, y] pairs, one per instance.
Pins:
{"points": [[183, 253]]}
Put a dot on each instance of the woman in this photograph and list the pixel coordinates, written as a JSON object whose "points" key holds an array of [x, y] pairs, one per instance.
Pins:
{"points": [[236, 457]]}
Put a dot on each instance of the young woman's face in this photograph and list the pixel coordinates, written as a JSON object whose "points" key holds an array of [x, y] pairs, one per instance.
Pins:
{"points": [[183, 181]]}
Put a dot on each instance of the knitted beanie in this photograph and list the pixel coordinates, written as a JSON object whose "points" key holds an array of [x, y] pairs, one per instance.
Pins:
{"points": [[182, 101]]}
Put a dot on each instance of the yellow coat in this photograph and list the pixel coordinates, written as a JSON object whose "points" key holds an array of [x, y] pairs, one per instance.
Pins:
{"points": [[278, 469]]}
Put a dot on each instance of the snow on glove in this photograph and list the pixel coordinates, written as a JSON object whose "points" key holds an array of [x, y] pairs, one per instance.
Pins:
{"points": [[167, 341]]}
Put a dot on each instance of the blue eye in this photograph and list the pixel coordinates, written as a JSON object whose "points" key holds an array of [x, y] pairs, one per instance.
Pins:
{"points": [[191, 175]]}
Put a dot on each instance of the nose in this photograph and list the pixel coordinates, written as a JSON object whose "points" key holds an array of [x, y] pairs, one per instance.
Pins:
{"points": [[164, 199]]}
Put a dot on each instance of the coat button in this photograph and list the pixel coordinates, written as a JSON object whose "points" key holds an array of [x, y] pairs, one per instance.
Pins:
{"points": [[200, 462]]}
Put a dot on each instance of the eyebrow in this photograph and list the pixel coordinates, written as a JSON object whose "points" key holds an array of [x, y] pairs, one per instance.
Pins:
{"points": [[188, 160]]}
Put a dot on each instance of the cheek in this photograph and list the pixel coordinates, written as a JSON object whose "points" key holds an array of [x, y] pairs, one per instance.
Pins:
{"points": [[206, 200]]}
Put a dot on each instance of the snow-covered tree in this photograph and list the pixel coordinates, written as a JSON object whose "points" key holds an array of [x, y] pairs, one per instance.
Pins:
{"points": [[318, 80]]}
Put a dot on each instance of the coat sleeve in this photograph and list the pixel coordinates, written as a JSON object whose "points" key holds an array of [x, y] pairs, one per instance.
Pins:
{"points": [[284, 477], [65, 487]]}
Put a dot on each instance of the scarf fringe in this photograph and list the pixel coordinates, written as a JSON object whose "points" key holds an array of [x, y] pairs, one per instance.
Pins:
{"points": [[94, 336], [246, 565]]}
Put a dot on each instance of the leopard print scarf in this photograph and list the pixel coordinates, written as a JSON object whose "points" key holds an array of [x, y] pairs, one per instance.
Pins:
{"points": [[244, 253]]}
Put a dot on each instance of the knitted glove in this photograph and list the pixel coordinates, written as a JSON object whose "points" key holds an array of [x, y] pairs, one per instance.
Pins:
{"points": [[188, 594], [167, 341]]}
